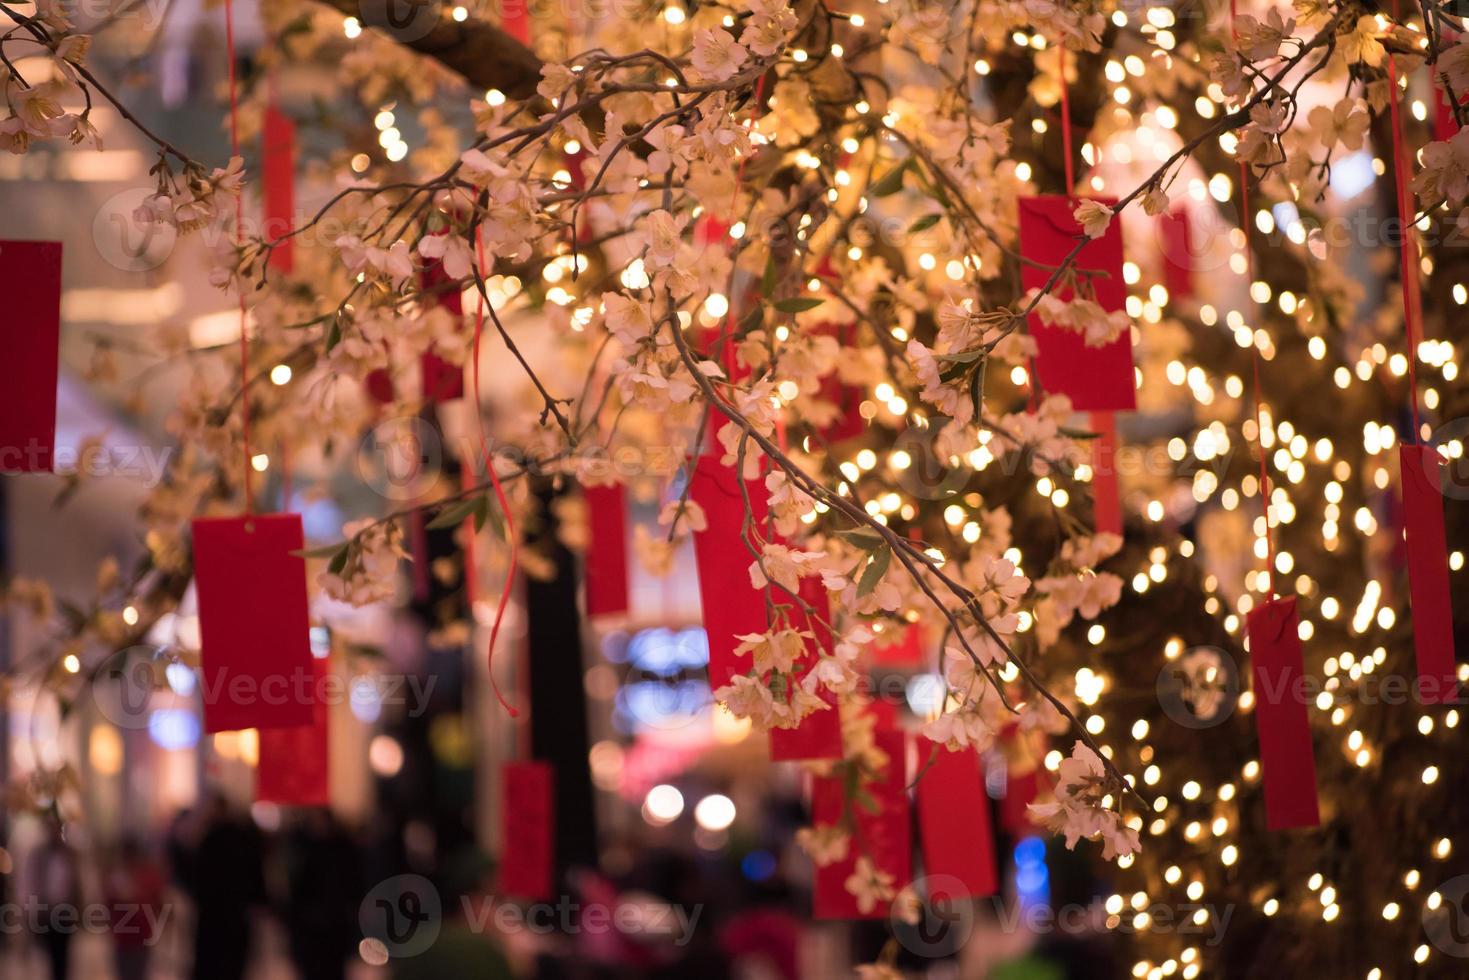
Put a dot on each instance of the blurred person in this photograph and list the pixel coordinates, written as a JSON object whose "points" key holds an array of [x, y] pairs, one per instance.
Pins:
{"points": [[222, 872], [324, 878], [56, 897], [134, 889]]}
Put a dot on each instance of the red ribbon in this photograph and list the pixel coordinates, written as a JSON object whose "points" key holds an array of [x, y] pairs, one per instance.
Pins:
{"points": [[484, 448]]}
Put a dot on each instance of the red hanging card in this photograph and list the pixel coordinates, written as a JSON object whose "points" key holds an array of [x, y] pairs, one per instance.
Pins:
{"points": [[253, 622], [1428, 574], [732, 606], [515, 19], [819, 736], [903, 650], [30, 330], [1106, 497], [1021, 790], [528, 825], [881, 834], [294, 768], [279, 185], [1096, 378], [442, 381], [1176, 244], [606, 563], [1287, 760], [954, 822]]}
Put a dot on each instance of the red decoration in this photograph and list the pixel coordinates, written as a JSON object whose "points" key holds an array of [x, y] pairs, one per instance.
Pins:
{"points": [[904, 650], [1021, 790], [819, 736], [1106, 497], [30, 329], [1096, 378], [954, 823], [731, 605], [442, 381], [294, 768], [279, 185], [1176, 244], [528, 825], [606, 563], [1428, 574], [253, 622], [880, 834], [1287, 759]]}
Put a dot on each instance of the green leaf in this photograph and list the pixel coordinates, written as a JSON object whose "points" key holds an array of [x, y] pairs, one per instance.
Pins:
{"points": [[862, 537], [891, 183], [457, 514], [961, 357], [875, 570], [481, 513], [924, 223], [768, 280], [339, 560], [334, 335], [798, 304]]}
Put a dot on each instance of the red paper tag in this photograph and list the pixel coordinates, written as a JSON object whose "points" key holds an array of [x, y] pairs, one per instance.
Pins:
{"points": [[279, 185], [253, 622], [515, 19], [905, 650], [528, 824], [1287, 760], [294, 768], [1428, 574], [1094, 377], [732, 606], [1176, 244], [881, 835], [30, 329], [606, 568], [1021, 790], [954, 824], [442, 381], [379, 386], [1106, 497], [819, 736]]}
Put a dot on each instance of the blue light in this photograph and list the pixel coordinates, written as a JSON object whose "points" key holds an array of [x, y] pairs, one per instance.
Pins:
{"points": [[665, 653], [758, 865], [1032, 878], [173, 728], [1352, 174]]}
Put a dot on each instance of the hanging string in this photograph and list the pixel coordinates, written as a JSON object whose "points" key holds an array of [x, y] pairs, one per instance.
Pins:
{"points": [[1244, 227], [484, 449], [229, 43], [1407, 245]]}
